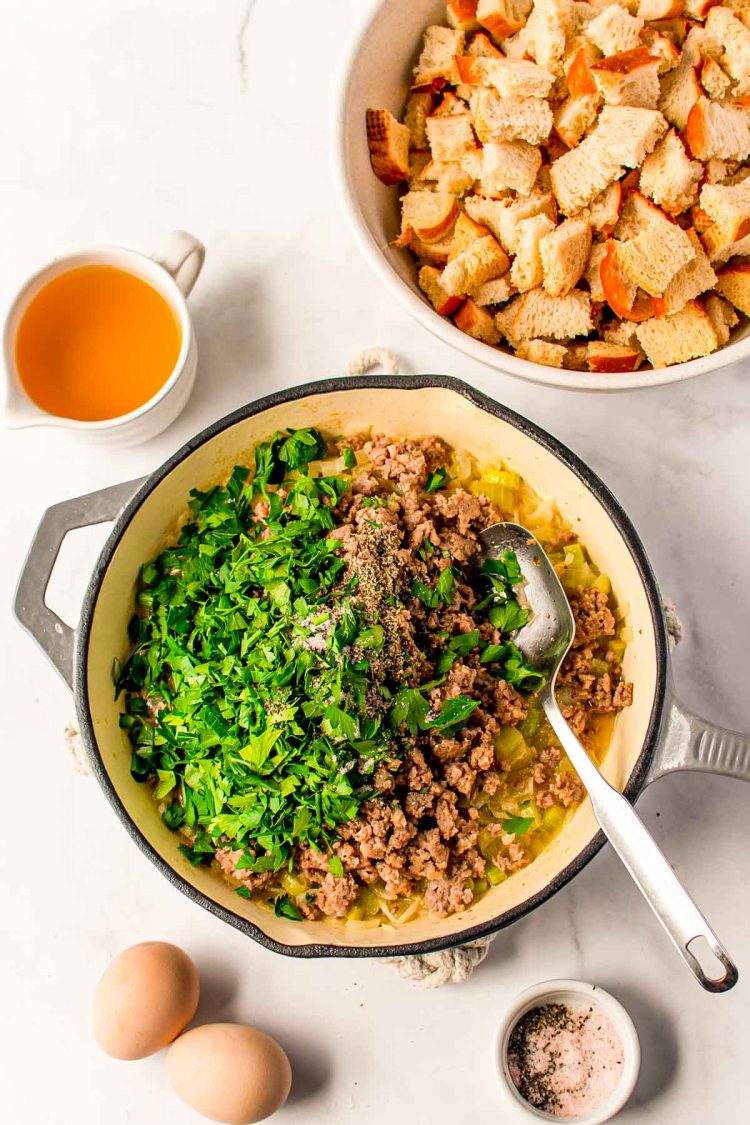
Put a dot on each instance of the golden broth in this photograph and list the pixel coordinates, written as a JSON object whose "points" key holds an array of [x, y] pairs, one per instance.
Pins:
{"points": [[95, 343]]}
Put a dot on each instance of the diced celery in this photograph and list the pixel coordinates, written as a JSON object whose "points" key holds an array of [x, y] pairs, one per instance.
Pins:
{"points": [[355, 914], [530, 725], [575, 577], [552, 819], [507, 738], [617, 647], [565, 694], [530, 809], [576, 570], [369, 902], [545, 736], [512, 749], [599, 667], [575, 555], [495, 875], [505, 498], [480, 886], [293, 884], [490, 843], [602, 583], [500, 803]]}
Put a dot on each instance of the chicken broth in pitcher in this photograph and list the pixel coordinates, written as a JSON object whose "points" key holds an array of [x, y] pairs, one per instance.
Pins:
{"points": [[95, 343]]}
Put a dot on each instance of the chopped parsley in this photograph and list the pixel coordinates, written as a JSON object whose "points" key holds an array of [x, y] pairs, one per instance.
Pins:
{"points": [[453, 712], [503, 610], [511, 666], [283, 907], [201, 850], [517, 825], [457, 646], [173, 816], [249, 687], [437, 480], [508, 616], [252, 659], [442, 592], [410, 709]]}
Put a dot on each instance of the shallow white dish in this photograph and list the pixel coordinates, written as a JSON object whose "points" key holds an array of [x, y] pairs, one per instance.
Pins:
{"points": [[574, 992], [377, 75]]}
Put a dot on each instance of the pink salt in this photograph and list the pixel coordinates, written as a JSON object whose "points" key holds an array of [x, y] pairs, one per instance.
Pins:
{"points": [[570, 1067]]}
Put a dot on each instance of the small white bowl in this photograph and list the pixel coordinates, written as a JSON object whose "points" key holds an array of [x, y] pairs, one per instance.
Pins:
{"points": [[377, 75], [577, 994]]}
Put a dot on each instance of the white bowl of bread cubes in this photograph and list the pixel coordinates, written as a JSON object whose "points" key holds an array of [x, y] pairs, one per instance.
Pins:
{"points": [[559, 188]]}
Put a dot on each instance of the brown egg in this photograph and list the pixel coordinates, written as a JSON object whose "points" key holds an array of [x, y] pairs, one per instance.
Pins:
{"points": [[229, 1073], [144, 999]]}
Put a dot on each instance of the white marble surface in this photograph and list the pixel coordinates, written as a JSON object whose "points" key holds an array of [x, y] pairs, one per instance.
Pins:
{"points": [[119, 122]]}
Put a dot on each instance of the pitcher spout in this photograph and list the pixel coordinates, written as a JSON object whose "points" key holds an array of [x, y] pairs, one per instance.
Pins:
{"points": [[21, 412]]}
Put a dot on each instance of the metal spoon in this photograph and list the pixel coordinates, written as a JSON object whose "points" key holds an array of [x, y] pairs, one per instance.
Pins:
{"points": [[544, 642]]}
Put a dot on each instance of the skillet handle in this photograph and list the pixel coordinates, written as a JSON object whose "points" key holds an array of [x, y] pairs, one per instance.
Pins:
{"points": [[692, 743], [54, 637]]}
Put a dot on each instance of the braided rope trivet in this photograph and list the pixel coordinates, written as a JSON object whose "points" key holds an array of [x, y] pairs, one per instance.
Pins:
{"points": [[449, 966], [374, 357]]}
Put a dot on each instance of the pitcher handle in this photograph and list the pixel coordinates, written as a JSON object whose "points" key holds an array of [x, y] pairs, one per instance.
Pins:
{"points": [[182, 255]]}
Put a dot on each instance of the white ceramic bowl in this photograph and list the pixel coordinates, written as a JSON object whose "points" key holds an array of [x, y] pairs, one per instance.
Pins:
{"points": [[377, 75], [577, 994]]}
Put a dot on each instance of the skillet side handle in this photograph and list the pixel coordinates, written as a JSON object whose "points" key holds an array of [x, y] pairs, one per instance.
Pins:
{"points": [[54, 637], [692, 743]]}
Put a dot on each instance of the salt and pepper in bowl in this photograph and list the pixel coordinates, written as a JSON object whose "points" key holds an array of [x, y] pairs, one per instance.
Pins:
{"points": [[567, 1049]]}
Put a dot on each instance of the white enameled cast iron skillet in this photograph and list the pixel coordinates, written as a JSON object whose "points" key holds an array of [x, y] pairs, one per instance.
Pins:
{"points": [[377, 75], [652, 738]]}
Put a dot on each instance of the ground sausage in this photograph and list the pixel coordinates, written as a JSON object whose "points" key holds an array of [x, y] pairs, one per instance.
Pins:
{"points": [[422, 833]]}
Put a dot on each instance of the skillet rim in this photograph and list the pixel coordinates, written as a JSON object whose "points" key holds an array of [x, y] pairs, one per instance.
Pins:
{"points": [[322, 387]]}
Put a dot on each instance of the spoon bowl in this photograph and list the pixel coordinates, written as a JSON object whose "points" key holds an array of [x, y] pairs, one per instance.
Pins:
{"points": [[548, 634]]}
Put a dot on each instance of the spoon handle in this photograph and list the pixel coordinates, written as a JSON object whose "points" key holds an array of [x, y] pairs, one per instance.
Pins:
{"points": [[645, 861]]}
